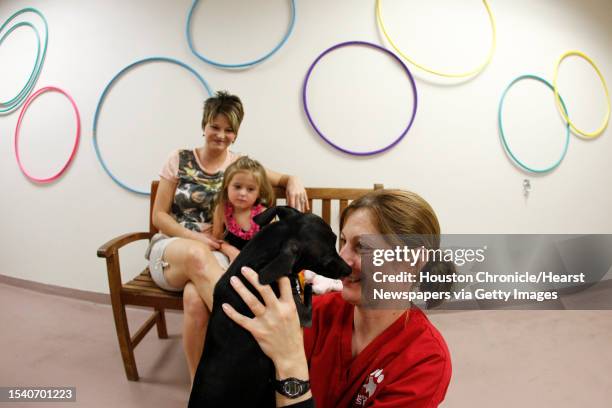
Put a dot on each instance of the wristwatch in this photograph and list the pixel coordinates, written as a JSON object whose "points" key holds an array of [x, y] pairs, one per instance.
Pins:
{"points": [[291, 387]]}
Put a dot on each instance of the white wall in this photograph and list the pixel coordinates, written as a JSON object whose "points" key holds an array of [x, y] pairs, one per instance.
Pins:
{"points": [[452, 156]]}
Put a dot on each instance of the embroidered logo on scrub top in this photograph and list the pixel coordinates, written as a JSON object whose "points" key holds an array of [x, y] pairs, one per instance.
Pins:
{"points": [[368, 388]]}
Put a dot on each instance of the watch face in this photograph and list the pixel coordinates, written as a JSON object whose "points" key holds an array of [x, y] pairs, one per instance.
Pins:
{"points": [[291, 388]]}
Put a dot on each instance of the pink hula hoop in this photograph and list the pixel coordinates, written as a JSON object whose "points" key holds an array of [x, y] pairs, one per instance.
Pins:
{"points": [[18, 127]]}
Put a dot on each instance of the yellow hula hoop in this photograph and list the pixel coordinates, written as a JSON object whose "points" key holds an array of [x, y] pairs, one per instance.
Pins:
{"points": [[558, 98], [381, 23]]}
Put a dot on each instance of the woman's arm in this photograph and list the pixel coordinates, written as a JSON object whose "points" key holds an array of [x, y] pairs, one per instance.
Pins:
{"points": [[167, 224], [296, 193], [276, 328]]}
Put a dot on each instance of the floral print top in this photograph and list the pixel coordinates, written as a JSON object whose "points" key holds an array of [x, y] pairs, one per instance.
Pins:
{"points": [[196, 189]]}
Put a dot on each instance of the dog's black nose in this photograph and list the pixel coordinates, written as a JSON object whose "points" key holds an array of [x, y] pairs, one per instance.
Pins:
{"points": [[345, 270], [335, 267]]}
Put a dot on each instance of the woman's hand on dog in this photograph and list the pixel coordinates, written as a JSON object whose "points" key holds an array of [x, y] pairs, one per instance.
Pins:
{"points": [[275, 325]]}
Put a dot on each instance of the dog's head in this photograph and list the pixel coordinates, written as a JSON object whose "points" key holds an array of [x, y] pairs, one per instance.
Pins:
{"points": [[305, 241]]}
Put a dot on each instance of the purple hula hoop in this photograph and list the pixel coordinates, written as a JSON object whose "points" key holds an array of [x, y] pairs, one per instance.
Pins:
{"points": [[367, 44]]}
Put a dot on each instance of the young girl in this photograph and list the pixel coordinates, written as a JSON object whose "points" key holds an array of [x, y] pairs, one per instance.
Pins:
{"points": [[246, 191], [243, 194]]}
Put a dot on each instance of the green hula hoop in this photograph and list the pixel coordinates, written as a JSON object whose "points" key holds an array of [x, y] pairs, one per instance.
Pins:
{"points": [[503, 136], [14, 103]]}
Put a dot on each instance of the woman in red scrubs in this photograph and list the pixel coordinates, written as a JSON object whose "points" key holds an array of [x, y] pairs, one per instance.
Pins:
{"points": [[353, 355]]}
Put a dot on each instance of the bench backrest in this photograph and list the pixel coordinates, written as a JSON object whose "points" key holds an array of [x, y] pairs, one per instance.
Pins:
{"points": [[328, 203]]}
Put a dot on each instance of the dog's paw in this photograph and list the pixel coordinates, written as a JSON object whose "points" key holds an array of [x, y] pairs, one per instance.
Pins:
{"points": [[321, 284]]}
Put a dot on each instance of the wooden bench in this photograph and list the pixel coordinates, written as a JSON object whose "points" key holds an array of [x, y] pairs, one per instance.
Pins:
{"points": [[142, 291]]}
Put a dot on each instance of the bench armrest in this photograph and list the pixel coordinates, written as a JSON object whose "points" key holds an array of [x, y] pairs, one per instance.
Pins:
{"points": [[112, 246]]}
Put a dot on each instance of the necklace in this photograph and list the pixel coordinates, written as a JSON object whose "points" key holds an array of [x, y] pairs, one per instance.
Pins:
{"points": [[234, 228]]}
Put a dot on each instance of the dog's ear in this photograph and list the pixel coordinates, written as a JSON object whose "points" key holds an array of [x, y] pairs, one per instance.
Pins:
{"points": [[281, 265], [284, 211], [267, 216]]}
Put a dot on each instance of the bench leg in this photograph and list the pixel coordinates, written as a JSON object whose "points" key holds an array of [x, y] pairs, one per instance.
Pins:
{"points": [[162, 331], [123, 332], [125, 342]]}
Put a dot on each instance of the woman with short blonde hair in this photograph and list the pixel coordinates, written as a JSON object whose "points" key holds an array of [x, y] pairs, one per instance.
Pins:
{"points": [[181, 256]]}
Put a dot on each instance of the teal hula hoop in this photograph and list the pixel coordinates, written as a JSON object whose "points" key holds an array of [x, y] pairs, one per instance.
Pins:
{"points": [[503, 136], [14, 103], [101, 102], [243, 64]]}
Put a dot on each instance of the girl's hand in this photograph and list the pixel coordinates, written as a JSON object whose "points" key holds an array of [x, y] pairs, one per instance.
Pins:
{"points": [[296, 194], [229, 250], [275, 326]]}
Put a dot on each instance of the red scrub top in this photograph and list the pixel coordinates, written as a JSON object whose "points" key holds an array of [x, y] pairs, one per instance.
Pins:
{"points": [[408, 365]]}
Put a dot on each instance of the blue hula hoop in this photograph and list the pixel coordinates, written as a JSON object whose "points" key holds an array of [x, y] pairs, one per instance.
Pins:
{"points": [[14, 103], [238, 65], [503, 136], [101, 101]]}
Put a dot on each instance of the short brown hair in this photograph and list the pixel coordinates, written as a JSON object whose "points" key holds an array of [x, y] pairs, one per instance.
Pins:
{"points": [[399, 212], [225, 104]]}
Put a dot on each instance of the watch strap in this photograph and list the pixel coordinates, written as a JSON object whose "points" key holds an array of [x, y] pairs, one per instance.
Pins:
{"points": [[291, 387]]}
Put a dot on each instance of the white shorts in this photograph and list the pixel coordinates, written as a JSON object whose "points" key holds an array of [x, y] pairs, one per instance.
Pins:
{"points": [[157, 264]]}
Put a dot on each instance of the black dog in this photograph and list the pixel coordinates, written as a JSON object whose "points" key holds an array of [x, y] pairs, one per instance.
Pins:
{"points": [[233, 371]]}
